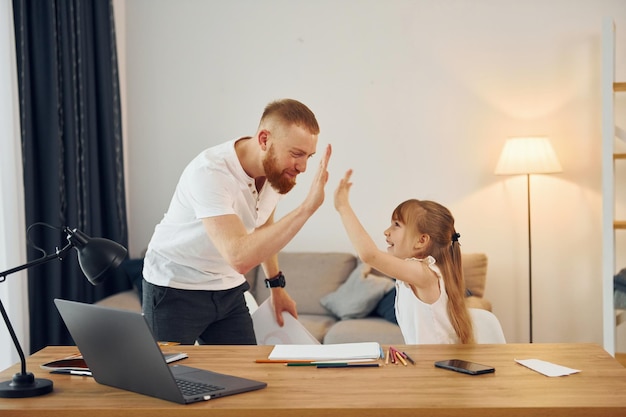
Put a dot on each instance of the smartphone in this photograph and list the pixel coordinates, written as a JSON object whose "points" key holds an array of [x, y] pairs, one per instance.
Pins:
{"points": [[465, 367]]}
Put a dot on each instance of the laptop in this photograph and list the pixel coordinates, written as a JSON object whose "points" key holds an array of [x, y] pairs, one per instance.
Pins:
{"points": [[121, 352]]}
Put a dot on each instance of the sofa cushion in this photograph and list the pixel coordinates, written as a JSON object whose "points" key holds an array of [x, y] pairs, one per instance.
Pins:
{"points": [[317, 325], [369, 329], [309, 276], [125, 300], [475, 272], [358, 296]]}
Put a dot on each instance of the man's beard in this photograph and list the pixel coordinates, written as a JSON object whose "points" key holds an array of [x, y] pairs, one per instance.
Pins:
{"points": [[281, 183]]}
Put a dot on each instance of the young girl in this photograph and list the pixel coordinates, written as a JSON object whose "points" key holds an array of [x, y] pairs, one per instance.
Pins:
{"points": [[425, 258]]}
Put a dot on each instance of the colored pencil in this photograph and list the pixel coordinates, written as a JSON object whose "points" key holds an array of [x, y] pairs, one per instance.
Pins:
{"points": [[400, 358], [349, 365], [406, 355]]}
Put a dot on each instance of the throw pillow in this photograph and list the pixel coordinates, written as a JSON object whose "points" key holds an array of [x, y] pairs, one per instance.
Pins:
{"points": [[359, 295], [386, 307]]}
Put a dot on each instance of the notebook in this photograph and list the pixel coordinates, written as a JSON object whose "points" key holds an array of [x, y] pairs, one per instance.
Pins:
{"points": [[121, 352], [357, 351], [76, 365]]}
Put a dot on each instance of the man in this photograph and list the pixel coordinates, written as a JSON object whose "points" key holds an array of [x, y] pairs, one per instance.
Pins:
{"points": [[220, 224]]}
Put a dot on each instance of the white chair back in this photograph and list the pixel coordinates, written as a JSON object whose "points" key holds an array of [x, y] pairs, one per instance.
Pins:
{"points": [[487, 328]]}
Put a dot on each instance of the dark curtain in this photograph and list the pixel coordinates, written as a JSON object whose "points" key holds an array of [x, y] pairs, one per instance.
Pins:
{"points": [[72, 148]]}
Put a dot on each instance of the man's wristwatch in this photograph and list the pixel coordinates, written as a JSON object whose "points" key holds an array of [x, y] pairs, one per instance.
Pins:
{"points": [[277, 281]]}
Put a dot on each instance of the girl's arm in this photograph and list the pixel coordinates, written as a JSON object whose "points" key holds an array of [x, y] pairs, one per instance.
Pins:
{"points": [[416, 273]]}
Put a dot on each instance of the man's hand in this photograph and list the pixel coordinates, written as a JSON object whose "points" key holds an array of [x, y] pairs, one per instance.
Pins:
{"points": [[282, 302], [315, 198]]}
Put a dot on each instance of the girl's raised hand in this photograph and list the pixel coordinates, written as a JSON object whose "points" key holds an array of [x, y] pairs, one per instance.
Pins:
{"points": [[342, 191]]}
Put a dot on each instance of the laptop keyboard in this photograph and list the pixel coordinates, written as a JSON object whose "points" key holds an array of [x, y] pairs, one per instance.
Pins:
{"points": [[196, 388]]}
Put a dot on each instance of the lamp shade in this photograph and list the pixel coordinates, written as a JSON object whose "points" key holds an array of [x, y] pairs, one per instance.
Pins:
{"points": [[529, 155], [96, 255]]}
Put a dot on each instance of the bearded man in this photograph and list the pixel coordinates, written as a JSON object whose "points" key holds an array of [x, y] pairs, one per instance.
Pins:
{"points": [[220, 224]]}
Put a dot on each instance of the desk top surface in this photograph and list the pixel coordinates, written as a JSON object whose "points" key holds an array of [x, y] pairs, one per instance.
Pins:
{"points": [[391, 390]]}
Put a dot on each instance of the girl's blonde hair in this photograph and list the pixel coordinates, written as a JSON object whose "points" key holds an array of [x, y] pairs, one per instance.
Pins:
{"points": [[435, 220]]}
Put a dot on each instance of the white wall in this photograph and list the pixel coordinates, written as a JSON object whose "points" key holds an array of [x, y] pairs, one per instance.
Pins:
{"points": [[418, 98]]}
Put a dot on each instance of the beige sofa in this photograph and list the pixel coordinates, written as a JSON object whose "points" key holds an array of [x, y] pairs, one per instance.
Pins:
{"points": [[313, 277]]}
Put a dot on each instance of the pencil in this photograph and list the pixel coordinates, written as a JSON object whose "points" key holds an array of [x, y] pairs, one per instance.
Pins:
{"points": [[323, 363], [392, 352], [282, 361], [300, 364], [400, 358], [401, 353], [406, 355], [348, 365], [387, 358]]}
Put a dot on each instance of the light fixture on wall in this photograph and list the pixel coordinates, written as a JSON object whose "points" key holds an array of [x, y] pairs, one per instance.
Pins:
{"points": [[528, 155]]}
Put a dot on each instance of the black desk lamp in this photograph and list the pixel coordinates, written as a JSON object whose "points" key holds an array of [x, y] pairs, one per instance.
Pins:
{"points": [[95, 256]]}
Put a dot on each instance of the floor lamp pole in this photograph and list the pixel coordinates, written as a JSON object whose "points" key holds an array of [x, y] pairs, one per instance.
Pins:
{"points": [[528, 155], [530, 263]]}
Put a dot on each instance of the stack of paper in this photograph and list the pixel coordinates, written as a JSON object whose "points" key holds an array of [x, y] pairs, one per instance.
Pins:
{"points": [[339, 351], [268, 332]]}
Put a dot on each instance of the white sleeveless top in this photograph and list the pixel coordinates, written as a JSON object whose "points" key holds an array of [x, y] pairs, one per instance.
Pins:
{"points": [[423, 323]]}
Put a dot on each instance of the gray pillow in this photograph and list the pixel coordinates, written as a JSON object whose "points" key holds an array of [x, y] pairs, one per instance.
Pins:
{"points": [[358, 296]]}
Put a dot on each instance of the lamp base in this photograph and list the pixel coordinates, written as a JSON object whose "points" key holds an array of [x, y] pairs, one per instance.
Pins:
{"points": [[25, 385]]}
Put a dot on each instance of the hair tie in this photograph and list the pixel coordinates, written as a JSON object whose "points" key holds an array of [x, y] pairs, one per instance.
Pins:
{"points": [[455, 237]]}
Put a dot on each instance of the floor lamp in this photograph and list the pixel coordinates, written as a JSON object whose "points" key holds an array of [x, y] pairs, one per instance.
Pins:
{"points": [[528, 155]]}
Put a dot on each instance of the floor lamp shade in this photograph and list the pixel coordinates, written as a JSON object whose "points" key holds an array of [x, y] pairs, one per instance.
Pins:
{"points": [[529, 155]]}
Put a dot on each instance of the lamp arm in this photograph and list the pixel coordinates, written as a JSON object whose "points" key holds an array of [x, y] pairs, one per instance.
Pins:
{"points": [[58, 254]]}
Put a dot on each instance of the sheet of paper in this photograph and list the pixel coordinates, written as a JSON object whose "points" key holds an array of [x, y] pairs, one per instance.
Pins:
{"points": [[268, 332], [546, 368], [339, 351]]}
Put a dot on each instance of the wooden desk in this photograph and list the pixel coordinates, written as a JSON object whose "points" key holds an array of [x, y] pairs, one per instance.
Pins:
{"points": [[391, 391]]}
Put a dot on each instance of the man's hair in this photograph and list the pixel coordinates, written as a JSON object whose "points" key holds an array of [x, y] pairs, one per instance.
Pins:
{"points": [[291, 111]]}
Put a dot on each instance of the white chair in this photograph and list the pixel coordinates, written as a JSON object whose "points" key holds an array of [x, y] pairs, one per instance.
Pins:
{"points": [[487, 328]]}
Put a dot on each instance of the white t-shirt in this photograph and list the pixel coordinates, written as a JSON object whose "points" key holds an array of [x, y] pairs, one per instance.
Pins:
{"points": [[180, 253], [423, 323]]}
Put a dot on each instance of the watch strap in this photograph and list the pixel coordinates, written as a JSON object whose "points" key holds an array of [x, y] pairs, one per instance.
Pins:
{"points": [[276, 281]]}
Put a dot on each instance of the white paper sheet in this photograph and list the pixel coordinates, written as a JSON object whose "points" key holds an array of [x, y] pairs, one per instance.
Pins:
{"points": [[268, 332], [546, 368], [339, 351]]}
